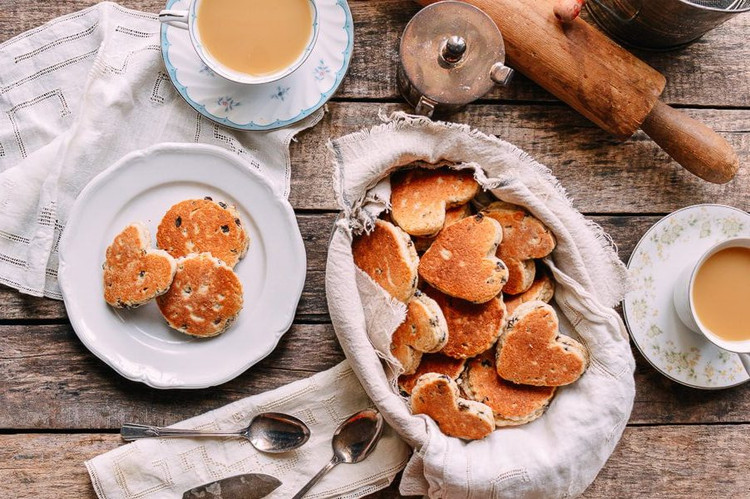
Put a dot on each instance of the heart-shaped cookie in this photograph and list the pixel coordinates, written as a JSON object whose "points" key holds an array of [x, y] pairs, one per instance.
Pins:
{"points": [[512, 404], [532, 351], [521, 275], [452, 216], [462, 262], [419, 197], [133, 272], [472, 327], [423, 330], [388, 256], [431, 363], [542, 289], [524, 238], [437, 396]]}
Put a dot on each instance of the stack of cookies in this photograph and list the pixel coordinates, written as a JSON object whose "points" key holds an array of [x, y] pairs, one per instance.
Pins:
{"points": [[480, 348], [191, 275]]}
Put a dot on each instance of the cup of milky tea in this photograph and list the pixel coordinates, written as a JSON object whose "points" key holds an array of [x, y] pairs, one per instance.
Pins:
{"points": [[712, 296], [249, 41]]}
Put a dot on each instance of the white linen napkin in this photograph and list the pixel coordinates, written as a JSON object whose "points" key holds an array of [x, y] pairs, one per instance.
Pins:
{"points": [[166, 468], [76, 94]]}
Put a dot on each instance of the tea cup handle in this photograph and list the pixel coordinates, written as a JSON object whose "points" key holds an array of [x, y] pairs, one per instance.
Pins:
{"points": [[176, 18], [745, 359]]}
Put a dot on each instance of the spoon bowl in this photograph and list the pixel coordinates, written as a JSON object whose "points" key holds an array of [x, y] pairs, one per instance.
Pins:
{"points": [[353, 441], [270, 432], [356, 438], [275, 432]]}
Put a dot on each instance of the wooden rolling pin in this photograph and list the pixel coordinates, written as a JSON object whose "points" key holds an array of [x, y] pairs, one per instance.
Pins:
{"points": [[604, 82]]}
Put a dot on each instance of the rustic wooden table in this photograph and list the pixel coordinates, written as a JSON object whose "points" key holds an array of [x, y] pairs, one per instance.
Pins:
{"points": [[59, 405]]}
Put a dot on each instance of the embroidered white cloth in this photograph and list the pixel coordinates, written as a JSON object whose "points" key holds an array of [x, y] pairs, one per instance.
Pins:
{"points": [[166, 468], [76, 94], [558, 455]]}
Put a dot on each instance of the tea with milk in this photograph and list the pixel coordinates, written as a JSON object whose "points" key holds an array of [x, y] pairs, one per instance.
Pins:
{"points": [[721, 294], [255, 37]]}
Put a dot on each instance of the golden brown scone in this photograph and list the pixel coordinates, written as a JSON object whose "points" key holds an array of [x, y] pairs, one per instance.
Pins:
{"points": [[462, 263], [452, 216], [205, 297], [524, 236], [520, 276], [532, 351], [388, 256], [472, 327], [524, 239], [134, 273], [203, 225], [543, 289], [423, 330], [437, 396], [512, 404], [431, 363], [419, 197]]}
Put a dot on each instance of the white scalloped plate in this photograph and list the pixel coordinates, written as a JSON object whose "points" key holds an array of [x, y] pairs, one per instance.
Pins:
{"points": [[269, 105], [675, 241], [137, 343]]}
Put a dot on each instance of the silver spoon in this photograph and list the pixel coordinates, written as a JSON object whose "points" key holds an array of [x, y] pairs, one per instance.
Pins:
{"points": [[271, 432], [353, 441]]}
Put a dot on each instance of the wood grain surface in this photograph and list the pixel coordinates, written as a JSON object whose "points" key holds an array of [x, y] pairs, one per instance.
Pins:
{"points": [[60, 405], [648, 462]]}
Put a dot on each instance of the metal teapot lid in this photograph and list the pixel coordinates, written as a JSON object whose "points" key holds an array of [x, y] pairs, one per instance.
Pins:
{"points": [[452, 53]]}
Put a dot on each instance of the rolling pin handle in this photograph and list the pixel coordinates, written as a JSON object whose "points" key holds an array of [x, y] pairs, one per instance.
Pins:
{"points": [[692, 144]]}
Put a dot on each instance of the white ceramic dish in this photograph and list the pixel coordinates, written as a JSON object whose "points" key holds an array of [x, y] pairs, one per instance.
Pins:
{"points": [[137, 343], [265, 106], [674, 242]]}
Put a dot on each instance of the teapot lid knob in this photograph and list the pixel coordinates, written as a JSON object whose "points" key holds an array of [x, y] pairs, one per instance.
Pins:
{"points": [[453, 49]]}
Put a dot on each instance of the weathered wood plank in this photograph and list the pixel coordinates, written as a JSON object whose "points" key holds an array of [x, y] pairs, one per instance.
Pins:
{"points": [[600, 174], [666, 462], [52, 381], [43, 466], [712, 72], [677, 462]]}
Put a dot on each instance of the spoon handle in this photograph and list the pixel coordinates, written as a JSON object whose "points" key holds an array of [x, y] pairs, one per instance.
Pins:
{"points": [[328, 467], [131, 431]]}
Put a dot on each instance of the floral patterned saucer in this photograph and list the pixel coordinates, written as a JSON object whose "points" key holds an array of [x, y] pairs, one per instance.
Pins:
{"points": [[675, 241], [270, 105]]}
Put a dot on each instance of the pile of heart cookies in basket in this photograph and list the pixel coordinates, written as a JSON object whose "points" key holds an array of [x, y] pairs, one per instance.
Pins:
{"points": [[480, 347]]}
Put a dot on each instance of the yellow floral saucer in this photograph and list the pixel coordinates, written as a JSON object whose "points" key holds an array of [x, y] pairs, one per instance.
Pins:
{"points": [[662, 253]]}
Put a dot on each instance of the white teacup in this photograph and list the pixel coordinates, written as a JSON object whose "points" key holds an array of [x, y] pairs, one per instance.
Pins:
{"points": [[187, 19], [685, 305]]}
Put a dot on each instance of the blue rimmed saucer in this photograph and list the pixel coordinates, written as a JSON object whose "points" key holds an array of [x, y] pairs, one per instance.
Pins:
{"points": [[270, 105]]}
